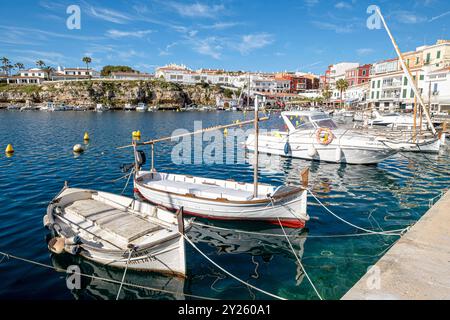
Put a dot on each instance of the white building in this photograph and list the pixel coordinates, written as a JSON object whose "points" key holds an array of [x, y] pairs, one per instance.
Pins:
{"points": [[437, 90], [356, 95], [74, 74], [29, 76], [131, 76]]}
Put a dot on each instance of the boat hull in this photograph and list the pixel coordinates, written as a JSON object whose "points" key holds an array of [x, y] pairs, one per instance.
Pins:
{"points": [[335, 152], [290, 211]]}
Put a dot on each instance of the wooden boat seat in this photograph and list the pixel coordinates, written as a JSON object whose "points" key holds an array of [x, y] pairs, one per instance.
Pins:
{"points": [[201, 190], [126, 226]]}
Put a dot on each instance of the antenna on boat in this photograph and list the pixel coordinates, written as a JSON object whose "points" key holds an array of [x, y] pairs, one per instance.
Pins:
{"points": [[255, 169], [407, 72]]}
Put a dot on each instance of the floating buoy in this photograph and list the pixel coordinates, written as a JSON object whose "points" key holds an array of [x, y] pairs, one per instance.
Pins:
{"points": [[86, 136], [56, 245], [9, 149], [78, 148], [225, 132], [312, 151], [136, 134], [338, 154]]}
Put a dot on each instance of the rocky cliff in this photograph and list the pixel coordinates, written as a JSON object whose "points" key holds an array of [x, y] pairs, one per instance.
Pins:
{"points": [[112, 93]]}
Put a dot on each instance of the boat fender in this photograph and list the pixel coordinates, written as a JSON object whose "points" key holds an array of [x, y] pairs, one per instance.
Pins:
{"points": [[78, 148], [287, 148], [72, 249], [338, 154], [140, 158], [56, 245], [73, 241], [47, 223], [312, 151]]}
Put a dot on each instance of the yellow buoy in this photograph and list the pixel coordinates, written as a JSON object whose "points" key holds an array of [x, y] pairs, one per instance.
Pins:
{"points": [[225, 132], [9, 149], [86, 136]]}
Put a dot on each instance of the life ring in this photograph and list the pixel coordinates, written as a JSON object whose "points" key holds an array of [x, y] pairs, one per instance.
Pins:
{"points": [[324, 136]]}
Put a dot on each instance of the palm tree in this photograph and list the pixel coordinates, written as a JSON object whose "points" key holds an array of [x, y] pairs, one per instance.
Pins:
{"points": [[342, 86], [40, 64], [19, 66], [5, 63], [87, 60], [48, 70], [326, 94]]}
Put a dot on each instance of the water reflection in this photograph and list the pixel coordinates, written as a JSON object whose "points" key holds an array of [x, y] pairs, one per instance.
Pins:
{"points": [[165, 288]]}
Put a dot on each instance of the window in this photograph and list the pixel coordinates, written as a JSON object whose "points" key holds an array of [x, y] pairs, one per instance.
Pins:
{"points": [[428, 57], [405, 81], [417, 60], [378, 94], [373, 94], [407, 62], [422, 77], [435, 88], [373, 85], [364, 72], [438, 55], [404, 93], [412, 93], [379, 83]]}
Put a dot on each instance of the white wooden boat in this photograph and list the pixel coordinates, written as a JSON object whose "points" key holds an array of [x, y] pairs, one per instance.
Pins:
{"points": [[223, 199], [129, 107], [117, 231], [100, 107], [315, 136]]}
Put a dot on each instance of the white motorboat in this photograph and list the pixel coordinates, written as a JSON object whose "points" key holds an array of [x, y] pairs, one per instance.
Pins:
{"points": [[117, 231], [13, 107], [129, 107], [315, 136], [396, 120], [54, 107], [141, 107], [404, 141], [100, 107]]}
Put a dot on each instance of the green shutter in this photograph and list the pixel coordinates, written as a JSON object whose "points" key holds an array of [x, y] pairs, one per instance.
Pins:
{"points": [[438, 55], [378, 94], [428, 57], [373, 94], [412, 93], [379, 83], [405, 81], [404, 93], [422, 77]]}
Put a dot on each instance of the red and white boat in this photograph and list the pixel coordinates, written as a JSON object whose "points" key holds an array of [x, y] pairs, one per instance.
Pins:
{"points": [[224, 199]]}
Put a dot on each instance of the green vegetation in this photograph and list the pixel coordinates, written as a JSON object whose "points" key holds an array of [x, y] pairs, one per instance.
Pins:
{"points": [[106, 71], [228, 93]]}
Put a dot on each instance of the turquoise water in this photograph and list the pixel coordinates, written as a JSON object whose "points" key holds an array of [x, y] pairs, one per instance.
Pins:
{"points": [[392, 195]]}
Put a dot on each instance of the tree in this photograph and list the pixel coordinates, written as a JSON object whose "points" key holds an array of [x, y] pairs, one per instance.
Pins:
{"points": [[87, 61], [342, 86], [326, 93], [40, 64], [19, 66], [48, 70], [5, 64], [106, 71]]}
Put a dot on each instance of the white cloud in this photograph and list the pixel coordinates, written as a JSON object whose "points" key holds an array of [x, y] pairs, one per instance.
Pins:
{"points": [[311, 3], [338, 28], [255, 41], [342, 5], [364, 51], [209, 47], [109, 15], [439, 16], [121, 34], [196, 10], [408, 17]]}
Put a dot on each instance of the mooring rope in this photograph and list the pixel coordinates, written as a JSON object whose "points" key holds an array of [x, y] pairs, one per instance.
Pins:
{"points": [[128, 181], [124, 274], [228, 273], [299, 262], [9, 256], [392, 232]]}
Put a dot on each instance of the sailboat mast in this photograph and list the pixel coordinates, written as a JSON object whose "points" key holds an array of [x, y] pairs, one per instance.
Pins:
{"points": [[407, 73], [255, 169]]}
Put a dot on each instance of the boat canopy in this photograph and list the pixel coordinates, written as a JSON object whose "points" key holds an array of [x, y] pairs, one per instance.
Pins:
{"points": [[307, 120]]}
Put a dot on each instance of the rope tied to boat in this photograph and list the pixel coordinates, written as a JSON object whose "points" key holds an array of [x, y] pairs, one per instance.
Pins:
{"points": [[131, 248], [128, 181], [392, 232], [132, 285], [298, 260], [229, 273]]}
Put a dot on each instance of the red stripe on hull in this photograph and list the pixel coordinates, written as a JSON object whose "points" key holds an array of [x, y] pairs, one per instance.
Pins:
{"points": [[288, 223]]}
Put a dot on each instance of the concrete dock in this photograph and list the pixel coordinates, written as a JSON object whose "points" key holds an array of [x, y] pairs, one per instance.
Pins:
{"points": [[417, 267]]}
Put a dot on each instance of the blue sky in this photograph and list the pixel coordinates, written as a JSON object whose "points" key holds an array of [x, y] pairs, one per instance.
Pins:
{"points": [[258, 35]]}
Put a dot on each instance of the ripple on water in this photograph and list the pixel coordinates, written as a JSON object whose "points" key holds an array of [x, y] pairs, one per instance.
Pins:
{"points": [[391, 195]]}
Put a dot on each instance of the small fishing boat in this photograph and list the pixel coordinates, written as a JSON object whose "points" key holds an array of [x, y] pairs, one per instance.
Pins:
{"points": [[220, 199], [129, 107], [313, 135], [100, 107], [117, 231]]}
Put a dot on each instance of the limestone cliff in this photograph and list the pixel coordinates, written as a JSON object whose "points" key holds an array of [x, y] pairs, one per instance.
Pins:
{"points": [[112, 93]]}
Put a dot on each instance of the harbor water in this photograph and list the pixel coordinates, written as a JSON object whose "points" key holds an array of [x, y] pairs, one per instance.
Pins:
{"points": [[392, 195]]}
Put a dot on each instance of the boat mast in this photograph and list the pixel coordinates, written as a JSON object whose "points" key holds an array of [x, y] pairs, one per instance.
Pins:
{"points": [[407, 72], [255, 169]]}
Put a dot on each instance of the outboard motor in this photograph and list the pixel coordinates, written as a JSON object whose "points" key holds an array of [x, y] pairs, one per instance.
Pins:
{"points": [[140, 157]]}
